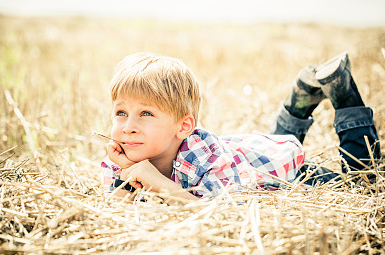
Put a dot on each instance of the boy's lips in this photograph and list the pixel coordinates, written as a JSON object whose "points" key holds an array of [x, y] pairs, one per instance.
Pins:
{"points": [[131, 144]]}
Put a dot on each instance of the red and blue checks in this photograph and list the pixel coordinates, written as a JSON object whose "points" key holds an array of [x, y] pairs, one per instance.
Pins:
{"points": [[208, 162]]}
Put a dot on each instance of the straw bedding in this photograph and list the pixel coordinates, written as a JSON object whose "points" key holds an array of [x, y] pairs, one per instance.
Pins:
{"points": [[63, 213]]}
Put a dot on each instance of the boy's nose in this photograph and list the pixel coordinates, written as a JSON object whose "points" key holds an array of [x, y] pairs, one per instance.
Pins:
{"points": [[130, 127]]}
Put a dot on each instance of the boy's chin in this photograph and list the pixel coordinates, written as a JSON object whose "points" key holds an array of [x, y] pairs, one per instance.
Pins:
{"points": [[136, 159]]}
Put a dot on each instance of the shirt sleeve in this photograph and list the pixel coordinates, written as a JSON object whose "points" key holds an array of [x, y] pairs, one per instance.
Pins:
{"points": [[204, 165], [110, 173], [208, 164]]}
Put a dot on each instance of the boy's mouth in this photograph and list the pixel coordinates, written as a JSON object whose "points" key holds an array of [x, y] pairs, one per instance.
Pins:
{"points": [[131, 144]]}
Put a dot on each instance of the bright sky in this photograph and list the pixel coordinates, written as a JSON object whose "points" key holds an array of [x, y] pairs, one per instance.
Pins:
{"points": [[343, 12]]}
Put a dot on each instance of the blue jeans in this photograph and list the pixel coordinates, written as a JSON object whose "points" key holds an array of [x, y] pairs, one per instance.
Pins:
{"points": [[351, 125]]}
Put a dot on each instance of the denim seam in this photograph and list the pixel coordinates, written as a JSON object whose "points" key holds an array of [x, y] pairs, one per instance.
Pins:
{"points": [[294, 130], [353, 124]]}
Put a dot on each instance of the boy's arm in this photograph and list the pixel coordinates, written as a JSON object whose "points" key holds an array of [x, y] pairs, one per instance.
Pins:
{"points": [[145, 174], [110, 172]]}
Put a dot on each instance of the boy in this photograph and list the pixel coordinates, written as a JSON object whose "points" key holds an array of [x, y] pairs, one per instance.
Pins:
{"points": [[156, 103]]}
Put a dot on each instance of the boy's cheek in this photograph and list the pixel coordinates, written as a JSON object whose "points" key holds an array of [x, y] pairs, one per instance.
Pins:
{"points": [[115, 131]]}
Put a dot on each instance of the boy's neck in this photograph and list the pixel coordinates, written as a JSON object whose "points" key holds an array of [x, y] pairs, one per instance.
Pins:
{"points": [[165, 163]]}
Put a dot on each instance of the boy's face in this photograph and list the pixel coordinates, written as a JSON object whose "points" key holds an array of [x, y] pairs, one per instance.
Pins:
{"points": [[146, 131]]}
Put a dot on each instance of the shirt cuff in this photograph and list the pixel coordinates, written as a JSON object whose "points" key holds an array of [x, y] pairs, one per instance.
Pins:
{"points": [[128, 187]]}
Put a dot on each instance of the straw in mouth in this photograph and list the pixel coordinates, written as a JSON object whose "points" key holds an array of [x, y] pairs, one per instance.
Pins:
{"points": [[94, 132]]}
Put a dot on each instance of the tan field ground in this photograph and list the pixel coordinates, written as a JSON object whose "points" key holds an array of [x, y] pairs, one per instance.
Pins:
{"points": [[54, 77]]}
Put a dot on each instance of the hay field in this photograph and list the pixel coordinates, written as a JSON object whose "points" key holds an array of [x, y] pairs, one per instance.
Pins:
{"points": [[54, 76]]}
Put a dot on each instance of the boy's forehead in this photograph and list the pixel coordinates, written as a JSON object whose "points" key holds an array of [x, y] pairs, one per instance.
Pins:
{"points": [[131, 99]]}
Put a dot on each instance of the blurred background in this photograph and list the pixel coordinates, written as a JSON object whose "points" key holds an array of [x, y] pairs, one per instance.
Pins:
{"points": [[56, 59], [342, 12]]}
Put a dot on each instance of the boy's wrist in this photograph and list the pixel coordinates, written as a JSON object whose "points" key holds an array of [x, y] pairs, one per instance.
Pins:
{"points": [[123, 174]]}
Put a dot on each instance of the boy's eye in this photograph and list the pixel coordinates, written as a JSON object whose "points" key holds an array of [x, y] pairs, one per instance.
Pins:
{"points": [[121, 113], [146, 113]]}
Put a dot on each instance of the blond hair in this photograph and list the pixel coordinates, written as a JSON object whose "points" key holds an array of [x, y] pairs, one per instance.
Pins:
{"points": [[167, 82]]}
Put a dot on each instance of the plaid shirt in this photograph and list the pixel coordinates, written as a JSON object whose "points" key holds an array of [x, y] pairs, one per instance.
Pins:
{"points": [[207, 163]]}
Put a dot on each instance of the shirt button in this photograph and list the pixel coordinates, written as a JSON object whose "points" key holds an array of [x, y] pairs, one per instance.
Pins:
{"points": [[177, 164]]}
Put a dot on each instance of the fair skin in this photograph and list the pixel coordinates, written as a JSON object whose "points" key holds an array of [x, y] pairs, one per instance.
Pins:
{"points": [[150, 140]]}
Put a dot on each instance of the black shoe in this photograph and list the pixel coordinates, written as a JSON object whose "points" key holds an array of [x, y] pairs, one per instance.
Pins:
{"points": [[305, 95], [337, 83]]}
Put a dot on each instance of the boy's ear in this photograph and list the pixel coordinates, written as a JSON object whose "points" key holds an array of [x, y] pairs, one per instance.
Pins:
{"points": [[187, 125]]}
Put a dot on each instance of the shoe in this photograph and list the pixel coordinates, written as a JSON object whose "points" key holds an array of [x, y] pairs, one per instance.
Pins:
{"points": [[337, 82], [333, 68], [305, 95]]}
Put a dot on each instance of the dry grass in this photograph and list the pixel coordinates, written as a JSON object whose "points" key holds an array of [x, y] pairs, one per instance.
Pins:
{"points": [[57, 73]]}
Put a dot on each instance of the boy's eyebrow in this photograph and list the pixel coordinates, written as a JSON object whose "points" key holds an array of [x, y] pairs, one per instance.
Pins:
{"points": [[143, 103], [151, 105], [119, 103]]}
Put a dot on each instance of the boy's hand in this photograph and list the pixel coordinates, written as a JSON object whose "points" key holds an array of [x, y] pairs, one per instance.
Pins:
{"points": [[116, 154], [145, 174]]}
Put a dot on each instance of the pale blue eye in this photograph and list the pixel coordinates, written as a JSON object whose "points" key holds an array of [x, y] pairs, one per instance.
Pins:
{"points": [[121, 113], [146, 113]]}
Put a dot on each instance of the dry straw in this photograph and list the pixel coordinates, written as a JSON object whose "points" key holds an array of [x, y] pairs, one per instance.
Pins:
{"points": [[41, 214], [94, 132]]}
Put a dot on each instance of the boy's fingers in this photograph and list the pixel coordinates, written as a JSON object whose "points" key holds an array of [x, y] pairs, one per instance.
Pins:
{"points": [[137, 185], [115, 146], [110, 147], [114, 154], [130, 172]]}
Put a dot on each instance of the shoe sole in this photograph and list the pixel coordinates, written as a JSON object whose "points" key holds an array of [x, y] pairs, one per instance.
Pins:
{"points": [[332, 68]]}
